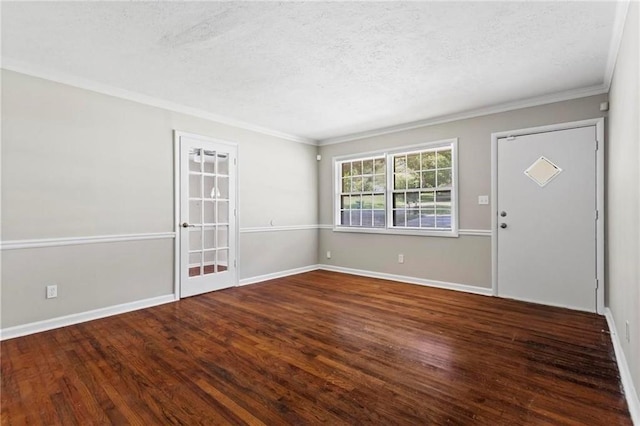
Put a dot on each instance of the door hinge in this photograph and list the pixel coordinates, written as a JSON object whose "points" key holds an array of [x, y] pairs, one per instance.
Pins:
{"points": [[597, 283], [597, 144], [234, 212], [235, 161], [597, 214], [235, 264]]}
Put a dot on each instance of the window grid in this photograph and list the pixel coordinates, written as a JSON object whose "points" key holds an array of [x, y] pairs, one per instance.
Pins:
{"points": [[422, 187], [408, 191], [362, 192]]}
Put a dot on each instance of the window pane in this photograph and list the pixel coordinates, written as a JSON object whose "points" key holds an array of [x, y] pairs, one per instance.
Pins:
{"points": [[429, 179], [413, 218], [356, 202], [398, 200], [356, 168], [399, 218], [367, 201], [413, 180], [412, 199], [367, 218], [400, 164], [345, 202], [427, 197], [355, 218], [346, 170], [379, 166], [378, 202], [399, 181], [367, 184], [379, 183], [427, 218], [444, 159], [195, 186], [346, 185], [379, 218], [428, 160], [356, 184], [367, 167], [344, 217], [413, 162], [444, 177], [194, 160]]}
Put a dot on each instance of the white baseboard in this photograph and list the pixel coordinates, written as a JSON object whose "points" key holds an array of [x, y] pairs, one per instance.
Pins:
{"points": [[625, 374], [410, 280], [280, 274], [39, 326]]}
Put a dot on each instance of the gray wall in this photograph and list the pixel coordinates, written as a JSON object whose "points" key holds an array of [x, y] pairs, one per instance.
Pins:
{"points": [[76, 163], [623, 193], [463, 260]]}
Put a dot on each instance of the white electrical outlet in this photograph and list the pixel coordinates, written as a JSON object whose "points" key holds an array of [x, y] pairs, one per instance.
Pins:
{"points": [[401, 258], [328, 254], [52, 291], [483, 199], [627, 332]]}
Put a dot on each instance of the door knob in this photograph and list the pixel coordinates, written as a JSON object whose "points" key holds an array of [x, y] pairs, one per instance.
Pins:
{"points": [[503, 225], [186, 225], [503, 213]]}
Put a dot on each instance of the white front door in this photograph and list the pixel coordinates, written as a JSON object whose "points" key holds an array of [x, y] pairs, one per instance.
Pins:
{"points": [[546, 217], [207, 214]]}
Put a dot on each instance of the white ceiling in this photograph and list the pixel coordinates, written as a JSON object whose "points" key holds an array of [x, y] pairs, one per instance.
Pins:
{"points": [[321, 70]]}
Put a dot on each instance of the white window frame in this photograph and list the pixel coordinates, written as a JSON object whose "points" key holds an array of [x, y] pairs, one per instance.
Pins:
{"points": [[388, 154]]}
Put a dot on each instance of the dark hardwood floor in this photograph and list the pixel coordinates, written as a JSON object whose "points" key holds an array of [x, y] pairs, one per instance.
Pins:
{"points": [[320, 347]]}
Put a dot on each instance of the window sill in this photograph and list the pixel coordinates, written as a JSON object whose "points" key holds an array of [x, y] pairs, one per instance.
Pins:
{"points": [[412, 232]]}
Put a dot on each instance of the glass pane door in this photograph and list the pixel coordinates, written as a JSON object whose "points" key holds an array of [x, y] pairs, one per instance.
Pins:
{"points": [[207, 206]]}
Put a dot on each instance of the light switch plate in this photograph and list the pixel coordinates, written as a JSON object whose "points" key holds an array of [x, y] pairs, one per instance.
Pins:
{"points": [[483, 199]]}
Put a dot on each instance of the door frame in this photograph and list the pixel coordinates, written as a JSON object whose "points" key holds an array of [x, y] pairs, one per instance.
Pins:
{"points": [[599, 125], [177, 134]]}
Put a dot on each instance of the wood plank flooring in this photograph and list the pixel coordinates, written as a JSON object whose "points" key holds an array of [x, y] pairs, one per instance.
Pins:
{"points": [[320, 348]]}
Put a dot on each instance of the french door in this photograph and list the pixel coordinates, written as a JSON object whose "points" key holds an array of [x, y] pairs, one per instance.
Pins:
{"points": [[207, 214]]}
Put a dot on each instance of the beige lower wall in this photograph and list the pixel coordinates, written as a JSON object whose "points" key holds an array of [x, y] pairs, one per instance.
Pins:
{"points": [[463, 260], [88, 276], [263, 253]]}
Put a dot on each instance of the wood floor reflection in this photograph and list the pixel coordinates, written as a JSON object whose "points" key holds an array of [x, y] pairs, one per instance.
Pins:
{"points": [[320, 347]]}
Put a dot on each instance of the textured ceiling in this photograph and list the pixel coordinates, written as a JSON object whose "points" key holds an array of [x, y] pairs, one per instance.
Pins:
{"points": [[319, 69]]}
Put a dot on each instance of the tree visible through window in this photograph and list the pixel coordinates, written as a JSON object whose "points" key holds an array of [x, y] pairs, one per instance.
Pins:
{"points": [[412, 189]]}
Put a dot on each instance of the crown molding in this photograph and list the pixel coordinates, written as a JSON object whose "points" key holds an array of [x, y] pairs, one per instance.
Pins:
{"points": [[473, 113], [622, 9], [105, 89]]}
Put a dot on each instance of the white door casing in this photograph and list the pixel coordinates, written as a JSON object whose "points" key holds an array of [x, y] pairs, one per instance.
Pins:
{"points": [[547, 194], [206, 214]]}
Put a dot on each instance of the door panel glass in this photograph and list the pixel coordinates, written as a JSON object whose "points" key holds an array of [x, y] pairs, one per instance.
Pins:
{"points": [[209, 165], [223, 260], [194, 186], [194, 160], [223, 236], [223, 211], [209, 238], [209, 212], [223, 187], [195, 212], [223, 164], [195, 240], [195, 261], [210, 190]]}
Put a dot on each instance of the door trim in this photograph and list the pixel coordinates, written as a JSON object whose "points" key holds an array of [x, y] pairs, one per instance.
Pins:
{"points": [[177, 134], [599, 124]]}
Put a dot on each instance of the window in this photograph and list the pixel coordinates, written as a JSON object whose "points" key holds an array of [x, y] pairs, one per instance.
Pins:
{"points": [[409, 191]]}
